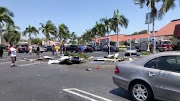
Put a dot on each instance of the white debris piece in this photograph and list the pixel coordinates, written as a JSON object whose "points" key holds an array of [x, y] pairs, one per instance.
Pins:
{"points": [[130, 59], [48, 57], [53, 62]]}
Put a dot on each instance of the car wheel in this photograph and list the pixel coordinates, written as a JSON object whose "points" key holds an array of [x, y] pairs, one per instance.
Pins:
{"points": [[140, 91]]}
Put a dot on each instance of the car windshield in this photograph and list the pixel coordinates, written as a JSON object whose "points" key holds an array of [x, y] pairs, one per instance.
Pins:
{"points": [[167, 42]]}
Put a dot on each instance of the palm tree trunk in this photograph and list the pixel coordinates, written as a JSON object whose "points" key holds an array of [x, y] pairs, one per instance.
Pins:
{"points": [[154, 44], [109, 43], [0, 34], [117, 44], [49, 42]]}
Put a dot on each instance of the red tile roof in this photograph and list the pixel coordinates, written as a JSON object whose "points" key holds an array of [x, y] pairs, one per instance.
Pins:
{"points": [[167, 30]]}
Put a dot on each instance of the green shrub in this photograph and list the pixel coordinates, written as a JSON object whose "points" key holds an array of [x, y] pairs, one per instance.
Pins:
{"points": [[145, 53], [123, 46], [81, 55]]}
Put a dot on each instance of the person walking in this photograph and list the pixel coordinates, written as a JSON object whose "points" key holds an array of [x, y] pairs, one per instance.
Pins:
{"points": [[30, 50], [1, 51], [53, 49], [81, 48], [57, 50], [38, 51], [13, 55], [8, 49]]}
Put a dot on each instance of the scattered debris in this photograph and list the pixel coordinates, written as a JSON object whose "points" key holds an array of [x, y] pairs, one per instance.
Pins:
{"points": [[67, 60], [88, 69], [49, 58], [97, 68]]}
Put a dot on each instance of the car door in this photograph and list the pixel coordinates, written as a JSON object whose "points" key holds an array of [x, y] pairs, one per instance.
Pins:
{"points": [[151, 75], [170, 77]]}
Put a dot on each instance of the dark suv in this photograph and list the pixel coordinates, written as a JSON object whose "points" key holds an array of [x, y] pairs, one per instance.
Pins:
{"points": [[73, 48], [23, 48]]}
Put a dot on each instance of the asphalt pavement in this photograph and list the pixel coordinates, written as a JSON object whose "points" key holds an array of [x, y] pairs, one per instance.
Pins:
{"points": [[38, 81]]}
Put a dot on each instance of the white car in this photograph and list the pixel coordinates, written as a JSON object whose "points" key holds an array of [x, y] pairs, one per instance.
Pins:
{"points": [[131, 51], [34, 49]]}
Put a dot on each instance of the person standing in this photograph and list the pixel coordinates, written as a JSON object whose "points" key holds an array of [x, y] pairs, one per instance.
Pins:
{"points": [[53, 49], [81, 48], [30, 49], [1, 51], [57, 50], [38, 51], [8, 49], [13, 55]]}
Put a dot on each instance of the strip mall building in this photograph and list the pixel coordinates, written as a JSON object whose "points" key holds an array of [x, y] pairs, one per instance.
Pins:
{"points": [[169, 32]]}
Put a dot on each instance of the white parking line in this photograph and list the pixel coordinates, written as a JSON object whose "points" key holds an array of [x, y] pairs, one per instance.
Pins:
{"points": [[72, 91]]}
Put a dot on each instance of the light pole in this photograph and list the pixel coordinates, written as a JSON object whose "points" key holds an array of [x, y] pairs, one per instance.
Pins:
{"points": [[0, 37], [153, 20]]}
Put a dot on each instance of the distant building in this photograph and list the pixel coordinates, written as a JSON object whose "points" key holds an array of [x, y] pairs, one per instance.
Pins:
{"points": [[46, 43], [165, 33]]}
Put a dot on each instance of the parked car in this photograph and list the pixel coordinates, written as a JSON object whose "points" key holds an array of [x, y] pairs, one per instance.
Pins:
{"points": [[22, 48], [99, 48], [142, 46], [49, 48], [154, 76], [34, 49], [131, 51], [45, 48], [88, 49], [93, 46], [73, 48], [112, 49], [164, 45]]}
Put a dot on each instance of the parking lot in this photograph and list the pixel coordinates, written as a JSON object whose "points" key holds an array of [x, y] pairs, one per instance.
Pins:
{"points": [[39, 81]]}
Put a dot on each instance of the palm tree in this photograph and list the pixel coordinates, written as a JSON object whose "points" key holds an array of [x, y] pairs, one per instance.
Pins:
{"points": [[166, 5], [11, 34], [5, 16], [63, 34], [48, 29], [116, 21], [87, 36], [73, 38], [107, 27], [30, 30]]}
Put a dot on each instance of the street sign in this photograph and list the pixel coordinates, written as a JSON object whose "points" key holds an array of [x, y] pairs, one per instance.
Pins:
{"points": [[129, 41], [107, 40], [149, 18], [152, 41]]}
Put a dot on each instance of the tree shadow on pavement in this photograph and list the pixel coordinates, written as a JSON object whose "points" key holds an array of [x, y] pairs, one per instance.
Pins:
{"points": [[121, 93]]}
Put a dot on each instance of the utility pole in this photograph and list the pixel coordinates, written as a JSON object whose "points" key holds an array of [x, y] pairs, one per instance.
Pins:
{"points": [[0, 37], [154, 40]]}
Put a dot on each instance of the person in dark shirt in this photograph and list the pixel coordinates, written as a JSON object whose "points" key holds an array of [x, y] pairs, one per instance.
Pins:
{"points": [[38, 51], [1, 50], [53, 49]]}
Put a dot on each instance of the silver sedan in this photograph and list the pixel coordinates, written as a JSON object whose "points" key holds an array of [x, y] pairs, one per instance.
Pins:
{"points": [[156, 76]]}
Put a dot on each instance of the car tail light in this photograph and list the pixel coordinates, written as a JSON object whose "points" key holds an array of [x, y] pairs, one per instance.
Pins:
{"points": [[170, 46], [117, 70], [164, 45]]}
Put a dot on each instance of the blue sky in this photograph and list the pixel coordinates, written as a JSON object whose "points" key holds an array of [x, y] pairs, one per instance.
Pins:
{"points": [[80, 15]]}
